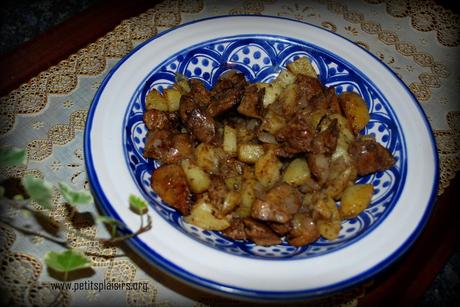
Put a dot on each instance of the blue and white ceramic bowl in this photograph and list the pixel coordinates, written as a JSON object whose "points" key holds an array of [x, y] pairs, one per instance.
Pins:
{"points": [[260, 47]]}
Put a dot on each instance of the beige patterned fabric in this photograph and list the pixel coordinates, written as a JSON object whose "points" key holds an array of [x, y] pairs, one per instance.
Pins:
{"points": [[418, 40]]}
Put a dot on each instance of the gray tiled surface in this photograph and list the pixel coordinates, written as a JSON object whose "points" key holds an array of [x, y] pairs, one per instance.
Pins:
{"points": [[21, 20]]}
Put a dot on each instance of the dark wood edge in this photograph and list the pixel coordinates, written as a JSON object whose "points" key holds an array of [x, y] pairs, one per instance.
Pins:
{"points": [[407, 280], [56, 44], [404, 283]]}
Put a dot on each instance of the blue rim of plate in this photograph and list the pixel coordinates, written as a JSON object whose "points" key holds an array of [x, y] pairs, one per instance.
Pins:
{"points": [[197, 281]]}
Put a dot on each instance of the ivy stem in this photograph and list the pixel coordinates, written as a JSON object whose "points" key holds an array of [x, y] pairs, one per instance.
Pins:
{"points": [[141, 229], [56, 240], [23, 205]]}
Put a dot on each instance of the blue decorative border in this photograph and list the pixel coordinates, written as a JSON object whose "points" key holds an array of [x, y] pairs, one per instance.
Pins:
{"points": [[211, 285]]}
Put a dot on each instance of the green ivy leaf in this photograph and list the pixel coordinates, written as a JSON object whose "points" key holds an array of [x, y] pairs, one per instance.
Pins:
{"points": [[113, 223], [67, 261], [138, 205], [38, 190], [12, 156], [75, 197]]}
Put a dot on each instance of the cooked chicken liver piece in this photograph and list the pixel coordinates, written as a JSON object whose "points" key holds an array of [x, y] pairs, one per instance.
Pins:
{"points": [[251, 104], [236, 230], [155, 119], [200, 124], [259, 233], [167, 145], [279, 205], [369, 156]]}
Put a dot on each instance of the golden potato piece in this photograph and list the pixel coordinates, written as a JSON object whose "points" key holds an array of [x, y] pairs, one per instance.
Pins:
{"points": [[202, 216], [250, 153], [272, 122], [325, 208], [197, 178], [302, 66], [231, 201], [155, 100], [297, 172], [272, 92], [355, 110], [329, 229], [230, 143], [245, 135], [207, 158], [169, 182], [248, 195], [182, 86], [289, 99], [285, 78], [267, 169], [355, 199], [173, 99], [233, 183]]}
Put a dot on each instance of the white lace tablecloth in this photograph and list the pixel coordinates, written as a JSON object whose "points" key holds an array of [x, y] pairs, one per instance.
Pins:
{"points": [[418, 40]]}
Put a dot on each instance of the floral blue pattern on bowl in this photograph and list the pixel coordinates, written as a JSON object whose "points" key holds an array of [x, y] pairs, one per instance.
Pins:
{"points": [[261, 58]]}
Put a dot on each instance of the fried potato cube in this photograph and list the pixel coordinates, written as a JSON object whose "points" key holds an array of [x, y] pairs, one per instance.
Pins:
{"points": [[233, 183], [355, 199], [329, 229], [268, 169], [156, 100], [207, 158], [248, 196], [169, 182], [197, 178], [297, 173], [272, 92], [272, 122], [289, 99], [245, 135], [173, 99], [202, 216], [250, 153], [231, 201], [355, 110], [325, 207], [230, 143], [182, 86], [285, 78], [302, 66]]}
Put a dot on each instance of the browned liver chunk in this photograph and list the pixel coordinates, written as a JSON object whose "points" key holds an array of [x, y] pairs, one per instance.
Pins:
{"points": [[279, 205], [155, 119], [369, 156], [260, 233], [167, 145], [251, 104]]}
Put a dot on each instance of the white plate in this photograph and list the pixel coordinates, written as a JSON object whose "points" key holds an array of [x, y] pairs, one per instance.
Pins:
{"points": [[259, 46]]}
